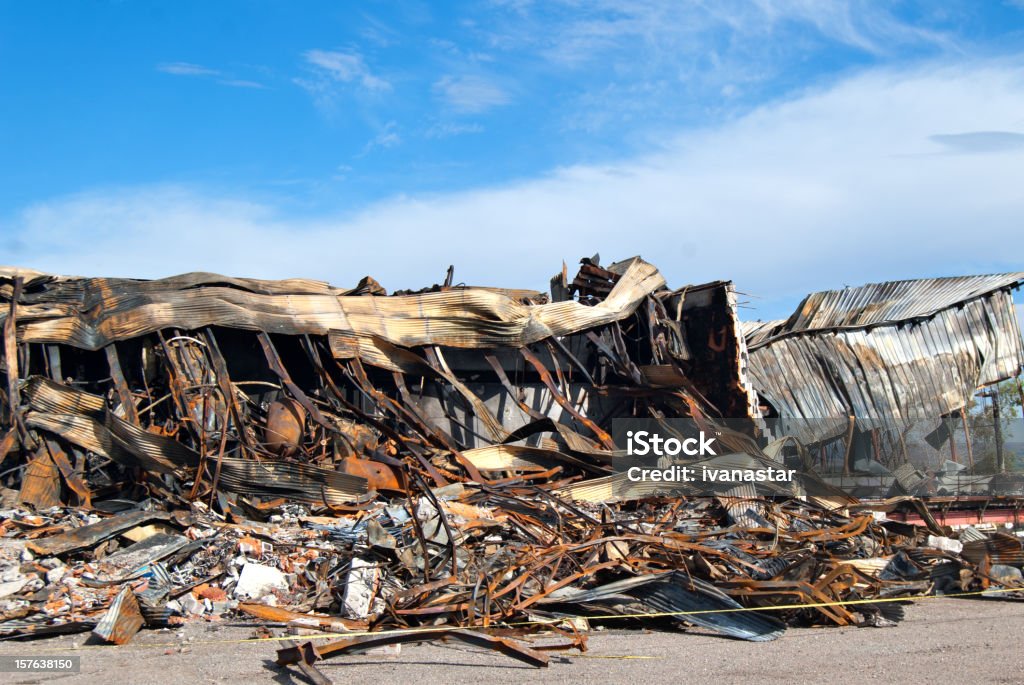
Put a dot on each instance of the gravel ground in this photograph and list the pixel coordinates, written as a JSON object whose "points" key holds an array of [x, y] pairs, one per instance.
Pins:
{"points": [[942, 640]]}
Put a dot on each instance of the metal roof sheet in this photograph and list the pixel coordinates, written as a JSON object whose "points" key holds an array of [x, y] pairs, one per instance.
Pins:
{"points": [[888, 354], [888, 303]]}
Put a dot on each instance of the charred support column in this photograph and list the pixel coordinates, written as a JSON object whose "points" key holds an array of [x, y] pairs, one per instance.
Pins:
{"points": [[967, 435], [997, 428], [848, 452], [1000, 463], [952, 440]]}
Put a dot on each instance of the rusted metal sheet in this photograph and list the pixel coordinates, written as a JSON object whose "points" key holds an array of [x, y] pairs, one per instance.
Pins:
{"points": [[298, 654], [279, 615], [122, 620], [285, 426], [87, 536], [304, 657], [40, 485], [1000, 548]]}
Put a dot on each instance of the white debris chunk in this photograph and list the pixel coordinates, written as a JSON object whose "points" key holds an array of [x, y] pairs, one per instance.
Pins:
{"points": [[945, 544], [191, 605], [363, 579], [257, 580], [12, 586]]}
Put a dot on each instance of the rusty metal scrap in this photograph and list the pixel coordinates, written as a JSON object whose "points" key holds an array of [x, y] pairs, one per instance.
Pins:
{"points": [[90, 535], [122, 620], [420, 466], [309, 653]]}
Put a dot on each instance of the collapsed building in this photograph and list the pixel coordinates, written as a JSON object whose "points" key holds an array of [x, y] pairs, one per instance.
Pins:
{"points": [[444, 459]]}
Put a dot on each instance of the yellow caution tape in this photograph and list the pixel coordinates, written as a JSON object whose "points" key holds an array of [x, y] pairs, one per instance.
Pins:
{"points": [[555, 621], [613, 656]]}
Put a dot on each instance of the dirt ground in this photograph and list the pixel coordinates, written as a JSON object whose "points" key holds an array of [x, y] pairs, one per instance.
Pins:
{"points": [[941, 640]]}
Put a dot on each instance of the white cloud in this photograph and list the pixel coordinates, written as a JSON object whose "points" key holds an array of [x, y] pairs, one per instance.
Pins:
{"points": [[449, 129], [470, 94], [346, 67], [92, 233], [240, 83], [186, 69], [378, 32], [386, 137], [189, 69], [838, 186]]}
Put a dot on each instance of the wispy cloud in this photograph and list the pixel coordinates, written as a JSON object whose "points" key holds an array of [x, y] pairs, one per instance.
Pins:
{"points": [[240, 83], [449, 129], [577, 34], [346, 67], [378, 32], [830, 187], [334, 75], [189, 69], [471, 94], [387, 137], [860, 24], [628, 64], [186, 69]]}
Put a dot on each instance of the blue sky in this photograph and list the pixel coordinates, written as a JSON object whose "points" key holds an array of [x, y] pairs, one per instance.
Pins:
{"points": [[789, 145]]}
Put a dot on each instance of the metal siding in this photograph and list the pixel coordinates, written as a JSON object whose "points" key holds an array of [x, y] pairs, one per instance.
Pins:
{"points": [[896, 352]]}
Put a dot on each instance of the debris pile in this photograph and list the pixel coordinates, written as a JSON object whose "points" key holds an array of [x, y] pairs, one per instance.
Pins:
{"points": [[409, 467]]}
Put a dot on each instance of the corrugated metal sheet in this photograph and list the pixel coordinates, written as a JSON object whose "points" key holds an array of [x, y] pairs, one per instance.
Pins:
{"points": [[892, 302], [301, 482], [972, 534], [889, 353], [744, 506], [1001, 548], [122, 620], [708, 607], [92, 313], [756, 332], [672, 593]]}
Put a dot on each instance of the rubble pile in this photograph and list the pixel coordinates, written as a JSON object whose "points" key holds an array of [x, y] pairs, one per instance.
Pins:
{"points": [[345, 461]]}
